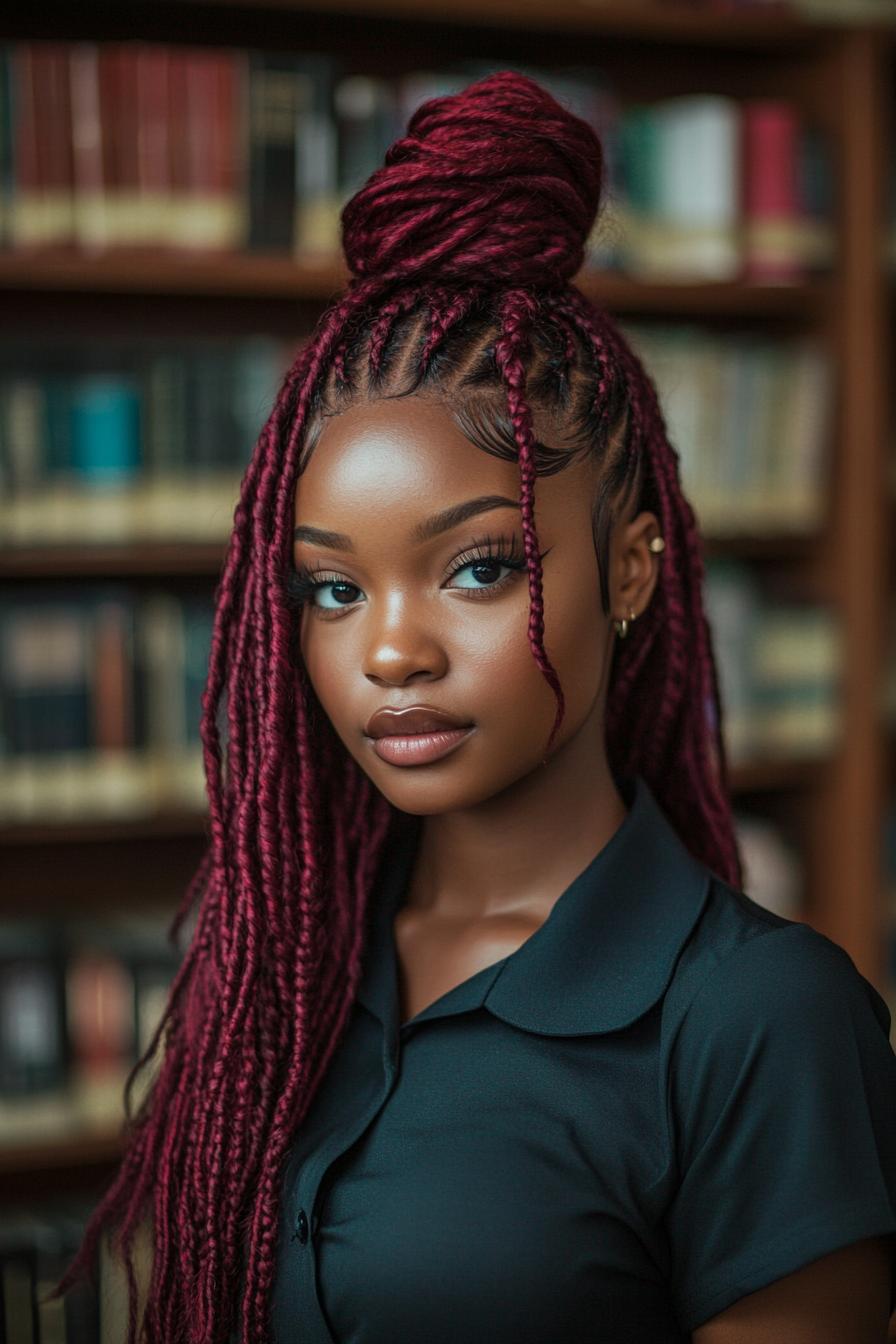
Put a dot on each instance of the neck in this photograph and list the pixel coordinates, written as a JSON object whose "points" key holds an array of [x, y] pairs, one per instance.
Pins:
{"points": [[514, 850]]}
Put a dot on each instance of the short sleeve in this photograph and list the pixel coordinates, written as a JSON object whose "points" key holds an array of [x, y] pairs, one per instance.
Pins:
{"points": [[782, 1090]]}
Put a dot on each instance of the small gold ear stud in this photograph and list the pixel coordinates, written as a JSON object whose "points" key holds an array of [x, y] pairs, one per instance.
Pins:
{"points": [[657, 545]]}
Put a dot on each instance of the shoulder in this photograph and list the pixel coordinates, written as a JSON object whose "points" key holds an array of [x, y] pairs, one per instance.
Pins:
{"points": [[746, 965], [779, 1086]]}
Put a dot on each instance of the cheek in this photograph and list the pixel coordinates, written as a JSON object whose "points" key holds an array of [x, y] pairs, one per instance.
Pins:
{"points": [[323, 670]]}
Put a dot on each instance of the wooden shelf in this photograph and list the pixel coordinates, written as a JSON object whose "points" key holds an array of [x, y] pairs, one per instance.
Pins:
{"points": [[656, 22], [755, 777], [77, 561], [776, 776], [91, 1148], [283, 279], [100, 830], [205, 560]]}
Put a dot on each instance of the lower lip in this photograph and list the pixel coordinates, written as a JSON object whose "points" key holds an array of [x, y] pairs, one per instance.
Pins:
{"points": [[419, 748]]}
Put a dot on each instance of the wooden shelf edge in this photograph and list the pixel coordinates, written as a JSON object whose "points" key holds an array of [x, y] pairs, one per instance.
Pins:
{"points": [[170, 825], [607, 18], [162, 274], [76, 560], [777, 776], [748, 777], [91, 1148]]}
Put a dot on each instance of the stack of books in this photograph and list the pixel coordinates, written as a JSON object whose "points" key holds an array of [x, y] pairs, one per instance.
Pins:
{"points": [[79, 1002], [100, 702], [141, 441], [780, 668], [751, 418]]}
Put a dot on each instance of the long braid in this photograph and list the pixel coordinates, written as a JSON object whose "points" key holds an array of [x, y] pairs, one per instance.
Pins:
{"points": [[511, 349]]}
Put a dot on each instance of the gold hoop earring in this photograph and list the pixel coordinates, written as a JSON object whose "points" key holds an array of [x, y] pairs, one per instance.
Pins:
{"points": [[622, 627]]}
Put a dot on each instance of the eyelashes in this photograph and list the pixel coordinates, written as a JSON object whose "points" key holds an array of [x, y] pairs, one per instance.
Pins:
{"points": [[303, 583], [499, 550]]}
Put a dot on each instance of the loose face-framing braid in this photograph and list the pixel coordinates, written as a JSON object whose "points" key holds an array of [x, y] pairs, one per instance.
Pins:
{"points": [[460, 291]]}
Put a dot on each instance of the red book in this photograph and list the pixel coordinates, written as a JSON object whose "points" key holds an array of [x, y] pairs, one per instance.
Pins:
{"points": [[228, 150], [52, 117], [208, 110], [91, 222], [117, 77], [153, 170], [113, 725], [770, 194], [128, 219], [179, 157], [100, 1010]]}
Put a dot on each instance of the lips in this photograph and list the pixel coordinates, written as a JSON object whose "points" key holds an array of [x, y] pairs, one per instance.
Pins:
{"points": [[389, 722]]}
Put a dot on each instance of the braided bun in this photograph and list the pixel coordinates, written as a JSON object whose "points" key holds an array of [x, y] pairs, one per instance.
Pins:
{"points": [[498, 183]]}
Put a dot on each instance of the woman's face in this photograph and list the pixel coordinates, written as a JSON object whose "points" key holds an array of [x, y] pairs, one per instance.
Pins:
{"points": [[413, 606]]}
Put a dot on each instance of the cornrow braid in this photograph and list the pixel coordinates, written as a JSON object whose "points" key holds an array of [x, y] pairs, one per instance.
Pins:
{"points": [[461, 248]]}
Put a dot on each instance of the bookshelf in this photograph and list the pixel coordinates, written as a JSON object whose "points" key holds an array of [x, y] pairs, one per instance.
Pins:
{"points": [[843, 76]]}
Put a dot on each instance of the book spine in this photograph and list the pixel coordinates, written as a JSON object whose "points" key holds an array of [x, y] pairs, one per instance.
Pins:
{"points": [[698, 191], [91, 207], [318, 196], [152, 157], [211, 219], [7, 166], [771, 210], [274, 101], [51, 221], [27, 153], [179, 162]]}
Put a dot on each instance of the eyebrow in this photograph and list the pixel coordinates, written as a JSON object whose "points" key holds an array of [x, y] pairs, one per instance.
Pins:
{"points": [[440, 522]]}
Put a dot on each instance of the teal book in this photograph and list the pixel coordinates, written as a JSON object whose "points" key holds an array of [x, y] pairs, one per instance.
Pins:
{"points": [[106, 444]]}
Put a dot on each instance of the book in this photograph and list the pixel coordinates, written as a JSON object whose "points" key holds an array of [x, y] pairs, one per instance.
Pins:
{"points": [[682, 214], [771, 206], [779, 658], [750, 418], [100, 702], [276, 94], [80, 1001], [121, 444]]}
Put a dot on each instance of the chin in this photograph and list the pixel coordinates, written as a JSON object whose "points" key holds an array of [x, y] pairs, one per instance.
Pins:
{"points": [[421, 797]]}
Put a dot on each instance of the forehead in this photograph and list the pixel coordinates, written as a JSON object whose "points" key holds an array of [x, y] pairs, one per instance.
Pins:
{"points": [[407, 455]]}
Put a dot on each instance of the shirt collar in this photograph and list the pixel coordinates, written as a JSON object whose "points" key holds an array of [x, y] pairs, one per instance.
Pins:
{"points": [[604, 955]]}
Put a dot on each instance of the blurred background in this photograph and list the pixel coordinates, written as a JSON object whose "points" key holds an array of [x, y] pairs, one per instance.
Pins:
{"points": [[171, 176]]}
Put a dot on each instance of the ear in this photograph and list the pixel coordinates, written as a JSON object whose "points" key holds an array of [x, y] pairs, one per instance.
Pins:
{"points": [[635, 567]]}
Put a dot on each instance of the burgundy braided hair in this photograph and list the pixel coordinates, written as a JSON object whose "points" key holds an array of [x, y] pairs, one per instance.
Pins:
{"points": [[461, 249]]}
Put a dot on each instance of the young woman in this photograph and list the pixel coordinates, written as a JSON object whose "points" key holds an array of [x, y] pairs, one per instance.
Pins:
{"points": [[478, 1037]]}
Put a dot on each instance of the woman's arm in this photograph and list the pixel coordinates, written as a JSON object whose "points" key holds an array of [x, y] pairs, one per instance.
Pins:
{"points": [[841, 1298]]}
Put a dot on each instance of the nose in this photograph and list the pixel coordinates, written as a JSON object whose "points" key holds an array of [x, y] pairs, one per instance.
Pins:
{"points": [[402, 647]]}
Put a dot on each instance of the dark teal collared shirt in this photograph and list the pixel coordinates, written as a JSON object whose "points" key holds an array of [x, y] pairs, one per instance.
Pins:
{"points": [[666, 1098]]}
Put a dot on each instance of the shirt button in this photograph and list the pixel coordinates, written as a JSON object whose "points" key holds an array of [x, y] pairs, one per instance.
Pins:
{"points": [[301, 1226]]}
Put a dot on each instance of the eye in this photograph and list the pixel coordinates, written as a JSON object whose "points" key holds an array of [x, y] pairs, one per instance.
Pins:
{"points": [[481, 573], [325, 592], [481, 565]]}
